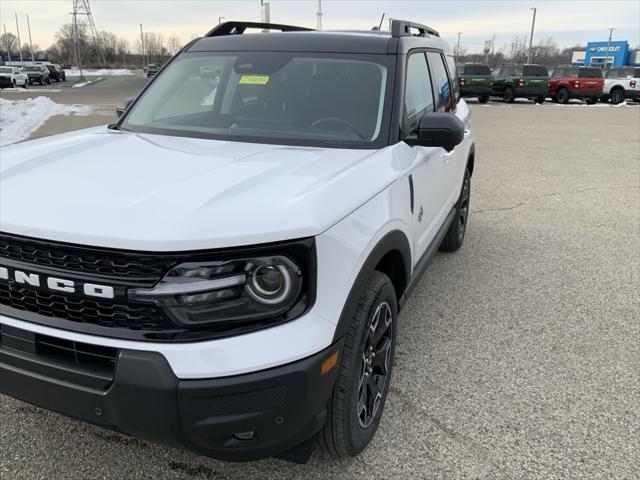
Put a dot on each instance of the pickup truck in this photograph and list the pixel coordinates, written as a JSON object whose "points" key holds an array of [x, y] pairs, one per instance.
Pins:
{"points": [[12, 77]]}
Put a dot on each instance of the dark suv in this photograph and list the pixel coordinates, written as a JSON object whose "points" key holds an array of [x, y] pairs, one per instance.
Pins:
{"points": [[521, 81], [475, 81], [56, 73], [584, 83]]}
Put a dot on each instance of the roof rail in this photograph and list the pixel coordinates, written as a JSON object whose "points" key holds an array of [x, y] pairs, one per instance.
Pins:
{"points": [[402, 28], [237, 28]]}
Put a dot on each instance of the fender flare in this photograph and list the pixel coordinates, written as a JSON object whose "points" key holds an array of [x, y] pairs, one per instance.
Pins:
{"points": [[394, 240]]}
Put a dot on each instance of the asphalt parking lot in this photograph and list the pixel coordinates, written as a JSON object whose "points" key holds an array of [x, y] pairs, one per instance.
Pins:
{"points": [[518, 357]]}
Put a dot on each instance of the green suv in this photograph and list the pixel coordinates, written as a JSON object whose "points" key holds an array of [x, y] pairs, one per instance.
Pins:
{"points": [[521, 81], [475, 80]]}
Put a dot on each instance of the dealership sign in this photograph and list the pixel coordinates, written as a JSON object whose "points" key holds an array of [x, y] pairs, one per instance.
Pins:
{"points": [[613, 53]]}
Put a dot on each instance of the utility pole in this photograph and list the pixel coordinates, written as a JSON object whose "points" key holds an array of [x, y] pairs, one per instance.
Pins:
{"points": [[265, 9], [19, 42], [142, 42], [533, 26], [6, 41], [319, 16], [606, 54], [458, 47], [33, 57], [220, 20], [76, 48]]}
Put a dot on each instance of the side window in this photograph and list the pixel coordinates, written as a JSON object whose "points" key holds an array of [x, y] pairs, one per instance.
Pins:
{"points": [[517, 71], [506, 71], [418, 97], [453, 74], [440, 80], [497, 72]]}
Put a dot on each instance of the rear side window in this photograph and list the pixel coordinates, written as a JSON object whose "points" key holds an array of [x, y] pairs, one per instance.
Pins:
{"points": [[418, 97], [535, 71], [477, 70], [453, 75], [622, 73], [440, 81], [590, 73]]}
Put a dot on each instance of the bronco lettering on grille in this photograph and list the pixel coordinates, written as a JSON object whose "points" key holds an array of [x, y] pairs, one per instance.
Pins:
{"points": [[55, 284]]}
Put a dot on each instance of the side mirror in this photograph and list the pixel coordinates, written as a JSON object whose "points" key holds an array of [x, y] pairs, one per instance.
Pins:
{"points": [[125, 104], [438, 130]]}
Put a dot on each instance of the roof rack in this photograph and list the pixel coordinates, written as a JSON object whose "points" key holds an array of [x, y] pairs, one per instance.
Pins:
{"points": [[238, 28], [402, 28]]}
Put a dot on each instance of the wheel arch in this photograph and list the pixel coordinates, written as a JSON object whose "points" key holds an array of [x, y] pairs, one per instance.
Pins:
{"points": [[391, 256]]}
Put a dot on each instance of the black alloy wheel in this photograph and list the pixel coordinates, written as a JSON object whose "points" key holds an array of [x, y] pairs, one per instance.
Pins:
{"points": [[374, 369]]}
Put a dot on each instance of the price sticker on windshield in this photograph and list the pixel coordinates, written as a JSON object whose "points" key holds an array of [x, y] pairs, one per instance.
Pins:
{"points": [[253, 80]]}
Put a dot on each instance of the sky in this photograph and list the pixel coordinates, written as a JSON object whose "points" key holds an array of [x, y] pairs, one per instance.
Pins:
{"points": [[569, 22]]}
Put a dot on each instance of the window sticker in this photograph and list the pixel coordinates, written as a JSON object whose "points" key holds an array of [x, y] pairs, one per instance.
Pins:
{"points": [[253, 80]]}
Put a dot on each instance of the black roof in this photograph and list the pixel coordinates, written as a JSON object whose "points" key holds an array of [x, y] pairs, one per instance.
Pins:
{"points": [[333, 42]]}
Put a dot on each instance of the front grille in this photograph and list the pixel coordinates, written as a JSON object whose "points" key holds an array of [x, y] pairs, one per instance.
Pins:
{"points": [[78, 309], [84, 259]]}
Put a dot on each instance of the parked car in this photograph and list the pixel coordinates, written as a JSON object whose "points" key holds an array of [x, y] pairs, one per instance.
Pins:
{"points": [[620, 84], [12, 77], [475, 81], [152, 70], [521, 81], [56, 73], [235, 289], [38, 74], [583, 83]]}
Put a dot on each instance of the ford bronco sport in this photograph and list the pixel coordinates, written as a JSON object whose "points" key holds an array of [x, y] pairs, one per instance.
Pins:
{"points": [[521, 81], [621, 83], [222, 269], [583, 83], [475, 80]]}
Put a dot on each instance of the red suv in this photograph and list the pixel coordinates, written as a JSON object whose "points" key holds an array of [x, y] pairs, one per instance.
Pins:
{"points": [[585, 83]]}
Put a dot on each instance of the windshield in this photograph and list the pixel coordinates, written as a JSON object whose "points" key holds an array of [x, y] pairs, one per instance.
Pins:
{"points": [[32, 69], [477, 70], [272, 97]]}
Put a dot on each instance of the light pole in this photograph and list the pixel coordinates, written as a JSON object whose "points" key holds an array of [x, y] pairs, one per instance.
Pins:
{"points": [[19, 42], [458, 47], [220, 20], [33, 57], [533, 25], [606, 54]]}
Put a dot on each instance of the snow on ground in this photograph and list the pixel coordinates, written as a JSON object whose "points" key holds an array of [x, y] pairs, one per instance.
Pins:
{"points": [[104, 72], [20, 118]]}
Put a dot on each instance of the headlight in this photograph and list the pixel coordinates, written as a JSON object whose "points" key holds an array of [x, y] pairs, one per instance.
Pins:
{"points": [[230, 291]]}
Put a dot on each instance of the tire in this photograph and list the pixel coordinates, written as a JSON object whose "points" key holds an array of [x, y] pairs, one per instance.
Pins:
{"points": [[562, 95], [540, 99], [591, 101], [41, 81], [483, 99], [26, 84], [15, 85], [455, 235], [508, 95], [48, 80], [349, 429], [617, 96]]}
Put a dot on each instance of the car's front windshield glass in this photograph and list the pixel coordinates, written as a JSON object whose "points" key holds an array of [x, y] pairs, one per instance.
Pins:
{"points": [[273, 97]]}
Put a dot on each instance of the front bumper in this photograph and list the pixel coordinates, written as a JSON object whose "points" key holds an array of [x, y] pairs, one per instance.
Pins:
{"points": [[282, 406]]}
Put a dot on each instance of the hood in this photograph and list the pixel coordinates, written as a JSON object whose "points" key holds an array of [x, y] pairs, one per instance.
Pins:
{"points": [[160, 193]]}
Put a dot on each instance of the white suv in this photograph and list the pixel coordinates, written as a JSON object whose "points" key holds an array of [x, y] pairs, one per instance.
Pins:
{"points": [[621, 83], [223, 268], [13, 77]]}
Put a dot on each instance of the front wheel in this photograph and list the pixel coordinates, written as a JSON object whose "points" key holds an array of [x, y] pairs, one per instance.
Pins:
{"points": [[539, 99], [14, 83], [483, 98], [617, 96], [591, 101], [364, 374], [508, 95], [455, 235], [563, 96], [25, 85], [48, 80]]}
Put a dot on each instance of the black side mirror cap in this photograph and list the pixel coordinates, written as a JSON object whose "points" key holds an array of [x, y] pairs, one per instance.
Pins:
{"points": [[438, 130], [125, 104]]}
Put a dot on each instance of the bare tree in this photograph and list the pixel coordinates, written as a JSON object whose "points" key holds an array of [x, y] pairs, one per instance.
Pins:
{"points": [[8, 43], [518, 49], [173, 45]]}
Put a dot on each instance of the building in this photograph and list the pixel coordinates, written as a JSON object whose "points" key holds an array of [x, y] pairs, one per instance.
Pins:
{"points": [[607, 54]]}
